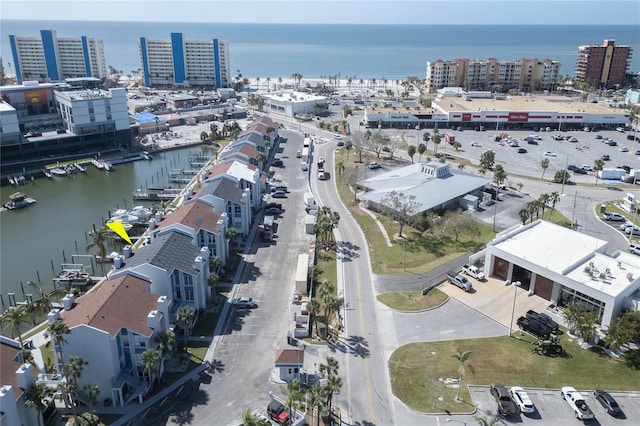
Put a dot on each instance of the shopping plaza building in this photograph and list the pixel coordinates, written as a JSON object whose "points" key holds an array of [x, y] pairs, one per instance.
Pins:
{"points": [[185, 63], [51, 59]]}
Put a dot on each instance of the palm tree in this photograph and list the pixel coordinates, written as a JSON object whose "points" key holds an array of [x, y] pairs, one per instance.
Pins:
{"points": [[597, 166], [554, 198], [184, 316], [44, 304], [150, 358], [293, 393], [333, 386], [166, 342], [15, 317], [213, 281], [463, 366], [436, 139], [411, 151], [316, 400], [35, 395], [232, 234], [543, 199], [422, 148], [330, 368], [340, 167], [313, 308], [99, 237], [544, 165], [57, 330], [72, 371], [524, 215], [92, 392], [268, 84]]}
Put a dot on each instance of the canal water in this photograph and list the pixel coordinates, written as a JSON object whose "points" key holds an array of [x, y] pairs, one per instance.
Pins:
{"points": [[34, 238]]}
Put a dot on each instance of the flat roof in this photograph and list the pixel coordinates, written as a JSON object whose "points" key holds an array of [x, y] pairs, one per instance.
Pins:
{"points": [[549, 246], [525, 103], [293, 97], [607, 274]]}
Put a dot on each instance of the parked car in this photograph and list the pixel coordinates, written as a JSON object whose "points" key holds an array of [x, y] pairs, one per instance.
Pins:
{"points": [[612, 143], [577, 403], [279, 188], [279, 194], [532, 142], [598, 136], [608, 403], [506, 406], [533, 327], [632, 230], [276, 205], [244, 302], [277, 162], [271, 211], [573, 139], [550, 154], [337, 137], [635, 248], [522, 400], [374, 165], [572, 167], [623, 226], [605, 157], [614, 217], [522, 151], [586, 167], [620, 129], [580, 171], [277, 412], [340, 143], [459, 280], [623, 149], [475, 143], [545, 319]]}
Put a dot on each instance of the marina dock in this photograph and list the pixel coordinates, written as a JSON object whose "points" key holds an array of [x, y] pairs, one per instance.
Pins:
{"points": [[166, 194]]}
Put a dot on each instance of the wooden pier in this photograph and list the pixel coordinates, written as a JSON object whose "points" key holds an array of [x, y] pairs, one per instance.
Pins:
{"points": [[166, 194]]}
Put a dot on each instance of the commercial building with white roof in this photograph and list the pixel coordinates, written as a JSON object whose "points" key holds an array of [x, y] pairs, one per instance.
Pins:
{"points": [[565, 266], [292, 103], [434, 185]]}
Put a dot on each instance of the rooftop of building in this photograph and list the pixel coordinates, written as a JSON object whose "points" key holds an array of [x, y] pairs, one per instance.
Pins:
{"points": [[432, 184], [224, 187], [196, 215], [525, 103], [611, 275], [173, 250], [293, 97], [123, 302], [290, 357], [9, 362], [548, 245]]}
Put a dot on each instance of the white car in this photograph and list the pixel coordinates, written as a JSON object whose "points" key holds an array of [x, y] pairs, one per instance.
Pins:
{"points": [[572, 139], [244, 302], [550, 154], [337, 137], [586, 168], [374, 165], [522, 400], [475, 143], [623, 149], [620, 129]]}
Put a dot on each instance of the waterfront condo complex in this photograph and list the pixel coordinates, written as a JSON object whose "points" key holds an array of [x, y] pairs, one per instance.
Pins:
{"points": [[522, 74], [186, 63], [603, 66], [51, 59]]}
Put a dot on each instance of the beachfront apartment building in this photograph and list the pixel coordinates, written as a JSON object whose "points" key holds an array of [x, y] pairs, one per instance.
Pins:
{"points": [[111, 328], [488, 74], [185, 63], [603, 66], [50, 58], [15, 379]]}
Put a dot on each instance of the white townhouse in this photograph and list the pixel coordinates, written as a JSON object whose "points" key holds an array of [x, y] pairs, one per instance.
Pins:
{"points": [[246, 175], [208, 226], [243, 152], [110, 330], [175, 265], [15, 379], [225, 194]]}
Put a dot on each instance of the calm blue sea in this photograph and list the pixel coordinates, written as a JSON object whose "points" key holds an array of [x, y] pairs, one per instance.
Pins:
{"points": [[364, 51]]}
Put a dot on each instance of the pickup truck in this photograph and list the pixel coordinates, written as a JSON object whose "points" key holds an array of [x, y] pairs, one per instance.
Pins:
{"points": [[534, 327], [473, 271], [277, 412], [577, 403], [458, 280], [544, 319]]}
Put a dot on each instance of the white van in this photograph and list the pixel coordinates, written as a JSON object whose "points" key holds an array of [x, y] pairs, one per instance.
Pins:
{"points": [[304, 166]]}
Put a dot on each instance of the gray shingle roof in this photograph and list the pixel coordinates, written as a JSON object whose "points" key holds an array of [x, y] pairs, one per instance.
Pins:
{"points": [[223, 188], [170, 251]]}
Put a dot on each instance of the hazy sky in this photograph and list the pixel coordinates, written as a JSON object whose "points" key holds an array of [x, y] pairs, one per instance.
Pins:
{"points": [[571, 12]]}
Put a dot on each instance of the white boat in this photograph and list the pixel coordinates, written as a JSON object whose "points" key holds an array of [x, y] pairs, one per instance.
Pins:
{"points": [[47, 174], [18, 200], [81, 168], [71, 169], [11, 181], [142, 212], [57, 171], [108, 166]]}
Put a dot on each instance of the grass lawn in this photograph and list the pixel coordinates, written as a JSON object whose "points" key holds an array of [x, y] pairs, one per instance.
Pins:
{"points": [[326, 261], [413, 300], [47, 355], [416, 370]]}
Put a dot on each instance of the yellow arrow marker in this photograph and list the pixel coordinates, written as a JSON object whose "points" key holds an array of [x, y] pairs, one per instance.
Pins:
{"points": [[119, 229]]}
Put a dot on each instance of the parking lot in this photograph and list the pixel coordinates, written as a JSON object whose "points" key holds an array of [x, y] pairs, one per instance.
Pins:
{"points": [[552, 409]]}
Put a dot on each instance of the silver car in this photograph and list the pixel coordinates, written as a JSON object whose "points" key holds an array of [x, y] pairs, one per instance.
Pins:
{"points": [[522, 400]]}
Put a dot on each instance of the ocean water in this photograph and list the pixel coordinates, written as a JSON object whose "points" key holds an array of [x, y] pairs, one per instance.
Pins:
{"points": [[361, 51]]}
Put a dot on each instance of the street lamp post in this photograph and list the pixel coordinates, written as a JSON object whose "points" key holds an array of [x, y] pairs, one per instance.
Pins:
{"points": [[515, 285]]}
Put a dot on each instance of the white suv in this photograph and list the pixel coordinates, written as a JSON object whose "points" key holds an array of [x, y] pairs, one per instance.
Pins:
{"points": [[635, 248]]}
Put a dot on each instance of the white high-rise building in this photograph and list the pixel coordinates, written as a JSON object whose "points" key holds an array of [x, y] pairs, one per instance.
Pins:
{"points": [[187, 63], [50, 59]]}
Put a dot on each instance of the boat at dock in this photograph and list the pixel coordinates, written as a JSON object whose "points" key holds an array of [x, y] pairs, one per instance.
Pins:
{"points": [[58, 171], [72, 275], [80, 167], [47, 174], [18, 200]]}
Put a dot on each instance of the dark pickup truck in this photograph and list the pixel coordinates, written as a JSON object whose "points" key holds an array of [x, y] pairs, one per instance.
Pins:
{"points": [[544, 319], [534, 327]]}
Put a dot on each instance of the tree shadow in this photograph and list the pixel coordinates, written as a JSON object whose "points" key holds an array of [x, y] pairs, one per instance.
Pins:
{"points": [[251, 272]]}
